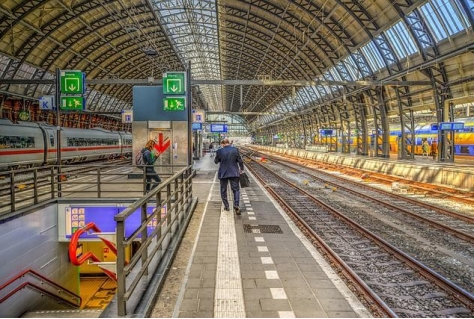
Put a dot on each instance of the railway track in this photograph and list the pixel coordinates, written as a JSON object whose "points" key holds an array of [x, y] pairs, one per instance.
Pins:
{"points": [[449, 254], [436, 191], [458, 224], [398, 284]]}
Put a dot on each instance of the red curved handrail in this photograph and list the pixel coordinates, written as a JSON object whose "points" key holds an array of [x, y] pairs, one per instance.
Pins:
{"points": [[73, 246], [85, 257], [31, 271]]}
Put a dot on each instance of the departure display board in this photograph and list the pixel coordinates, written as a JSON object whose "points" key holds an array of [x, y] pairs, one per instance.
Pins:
{"points": [[77, 216], [218, 128]]}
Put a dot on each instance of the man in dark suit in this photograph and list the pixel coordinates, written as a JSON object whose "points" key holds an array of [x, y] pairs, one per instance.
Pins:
{"points": [[229, 171]]}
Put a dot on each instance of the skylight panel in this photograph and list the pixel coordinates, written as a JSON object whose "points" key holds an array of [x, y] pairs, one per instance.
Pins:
{"points": [[373, 56], [351, 68], [449, 16], [444, 18], [192, 27], [434, 22]]}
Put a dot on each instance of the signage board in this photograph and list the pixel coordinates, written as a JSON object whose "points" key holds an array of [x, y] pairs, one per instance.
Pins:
{"points": [[127, 116], [177, 103], [327, 132], [72, 103], [72, 82], [446, 126], [198, 115], [77, 216], [217, 128], [46, 102], [174, 83], [458, 126], [197, 126], [24, 115], [434, 126]]}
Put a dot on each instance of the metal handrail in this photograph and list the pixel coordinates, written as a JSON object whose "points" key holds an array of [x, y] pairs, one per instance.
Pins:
{"points": [[43, 185], [176, 194], [43, 278]]}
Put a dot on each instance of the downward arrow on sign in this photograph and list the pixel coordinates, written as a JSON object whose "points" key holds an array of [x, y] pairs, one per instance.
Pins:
{"points": [[162, 145]]}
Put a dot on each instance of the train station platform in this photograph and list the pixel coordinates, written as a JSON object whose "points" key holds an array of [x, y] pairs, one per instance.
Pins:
{"points": [[257, 264]]}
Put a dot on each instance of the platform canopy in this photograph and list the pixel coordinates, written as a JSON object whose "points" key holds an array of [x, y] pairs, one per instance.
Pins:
{"points": [[322, 61]]}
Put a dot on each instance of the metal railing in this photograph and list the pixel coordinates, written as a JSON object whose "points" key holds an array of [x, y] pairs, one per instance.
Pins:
{"points": [[174, 205], [24, 189], [40, 283]]}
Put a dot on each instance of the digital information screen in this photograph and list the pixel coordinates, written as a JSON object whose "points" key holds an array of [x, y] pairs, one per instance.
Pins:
{"points": [[196, 126], [446, 126], [73, 217], [458, 126], [218, 128]]}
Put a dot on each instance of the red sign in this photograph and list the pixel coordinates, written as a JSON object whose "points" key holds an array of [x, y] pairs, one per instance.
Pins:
{"points": [[162, 144]]}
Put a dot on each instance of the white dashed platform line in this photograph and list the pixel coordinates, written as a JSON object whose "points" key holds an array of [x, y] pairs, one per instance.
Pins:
{"points": [[266, 260], [271, 274], [250, 213], [286, 314], [259, 239], [229, 299], [262, 248], [278, 293], [252, 218]]}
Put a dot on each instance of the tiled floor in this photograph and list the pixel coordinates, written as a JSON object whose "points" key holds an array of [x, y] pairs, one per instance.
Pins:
{"points": [[96, 292], [279, 274]]}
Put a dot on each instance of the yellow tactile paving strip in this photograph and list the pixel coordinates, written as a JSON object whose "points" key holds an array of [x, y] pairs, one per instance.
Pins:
{"points": [[96, 292]]}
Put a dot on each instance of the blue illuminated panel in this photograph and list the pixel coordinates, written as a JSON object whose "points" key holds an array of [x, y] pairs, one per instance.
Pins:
{"points": [[218, 128], [458, 126], [196, 126], [103, 217], [445, 126]]}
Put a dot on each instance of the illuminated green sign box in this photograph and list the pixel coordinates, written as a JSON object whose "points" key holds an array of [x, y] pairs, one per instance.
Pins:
{"points": [[174, 103]]}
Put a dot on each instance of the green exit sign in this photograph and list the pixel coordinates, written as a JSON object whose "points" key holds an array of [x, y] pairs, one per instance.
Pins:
{"points": [[72, 103], [72, 82], [174, 103], [174, 83]]}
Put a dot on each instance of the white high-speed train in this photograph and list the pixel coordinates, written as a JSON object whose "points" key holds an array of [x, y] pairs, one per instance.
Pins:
{"points": [[29, 144]]}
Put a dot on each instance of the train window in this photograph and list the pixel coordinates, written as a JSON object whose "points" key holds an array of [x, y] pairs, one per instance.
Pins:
{"points": [[17, 141], [51, 139], [464, 150]]}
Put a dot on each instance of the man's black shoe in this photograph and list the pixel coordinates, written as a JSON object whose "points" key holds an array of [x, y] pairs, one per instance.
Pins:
{"points": [[237, 210], [226, 209]]}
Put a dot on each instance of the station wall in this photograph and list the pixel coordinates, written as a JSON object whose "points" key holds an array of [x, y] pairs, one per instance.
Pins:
{"points": [[31, 242]]}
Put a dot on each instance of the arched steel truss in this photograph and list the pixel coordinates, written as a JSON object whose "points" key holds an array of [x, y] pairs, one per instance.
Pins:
{"points": [[255, 40]]}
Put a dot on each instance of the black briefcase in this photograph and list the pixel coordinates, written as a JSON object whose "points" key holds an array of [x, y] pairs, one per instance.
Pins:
{"points": [[244, 180]]}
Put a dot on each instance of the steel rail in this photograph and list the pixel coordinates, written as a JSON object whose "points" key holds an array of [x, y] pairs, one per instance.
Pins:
{"points": [[446, 191], [455, 291], [454, 232], [375, 302], [465, 218]]}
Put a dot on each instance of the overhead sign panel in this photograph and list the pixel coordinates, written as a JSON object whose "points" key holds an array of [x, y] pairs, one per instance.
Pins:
{"points": [[127, 116], [174, 83], [72, 82], [177, 103], [46, 102], [218, 128], [72, 103], [196, 126]]}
